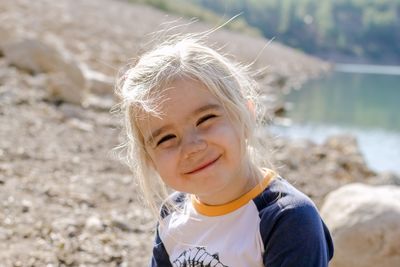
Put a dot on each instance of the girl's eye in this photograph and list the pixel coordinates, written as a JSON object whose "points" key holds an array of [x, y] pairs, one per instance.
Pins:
{"points": [[205, 118], [165, 138]]}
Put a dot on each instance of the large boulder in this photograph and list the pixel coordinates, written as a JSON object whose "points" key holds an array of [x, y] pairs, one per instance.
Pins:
{"points": [[66, 79], [365, 225], [346, 161]]}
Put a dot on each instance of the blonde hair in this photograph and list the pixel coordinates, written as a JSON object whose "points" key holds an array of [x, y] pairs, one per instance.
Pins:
{"points": [[140, 89]]}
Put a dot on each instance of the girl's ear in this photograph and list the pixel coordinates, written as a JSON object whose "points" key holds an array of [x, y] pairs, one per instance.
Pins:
{"points": [[250, 106]]}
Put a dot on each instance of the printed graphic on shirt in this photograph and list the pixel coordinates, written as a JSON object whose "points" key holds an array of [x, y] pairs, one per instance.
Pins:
{"points": [[197, 257]]}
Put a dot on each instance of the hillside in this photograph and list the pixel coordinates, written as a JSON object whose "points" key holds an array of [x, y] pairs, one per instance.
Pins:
{"points": [[339, 31], [66, 199]]}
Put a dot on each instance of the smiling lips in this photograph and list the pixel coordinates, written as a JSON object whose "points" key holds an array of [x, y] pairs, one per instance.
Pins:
{"points": [[203, 166]]}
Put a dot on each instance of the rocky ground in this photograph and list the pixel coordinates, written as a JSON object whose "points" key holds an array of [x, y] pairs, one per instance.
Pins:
{"points": [[65, 198]]}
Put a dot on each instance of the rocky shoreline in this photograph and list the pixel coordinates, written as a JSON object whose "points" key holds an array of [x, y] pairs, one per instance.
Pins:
{"points": [[66, 198]]}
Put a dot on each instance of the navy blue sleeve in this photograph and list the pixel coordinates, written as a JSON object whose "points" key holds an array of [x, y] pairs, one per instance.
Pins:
{"points": [[299, 239], [291, 228], [160, 256]]}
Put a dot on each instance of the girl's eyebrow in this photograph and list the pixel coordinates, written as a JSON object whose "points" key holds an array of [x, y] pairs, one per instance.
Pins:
{"points": [[199, 110]]}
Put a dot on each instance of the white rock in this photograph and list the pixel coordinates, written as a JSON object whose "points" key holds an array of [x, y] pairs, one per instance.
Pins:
{"points": [[37, 56], [94, 224], [61, 87], [104, 103], [99, 83], [5, 37], [66, 81], [80, 125], [365, 224]]}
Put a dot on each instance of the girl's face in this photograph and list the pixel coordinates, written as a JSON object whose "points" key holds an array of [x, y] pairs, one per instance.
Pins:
{"points": [[194, 146]]}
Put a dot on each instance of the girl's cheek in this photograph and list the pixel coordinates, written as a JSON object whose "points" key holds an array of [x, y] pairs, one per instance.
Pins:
{"points": [[223, 129], [166, 157]]}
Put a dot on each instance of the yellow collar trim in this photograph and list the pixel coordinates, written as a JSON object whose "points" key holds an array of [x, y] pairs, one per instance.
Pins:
{"points": [[219, 210]]}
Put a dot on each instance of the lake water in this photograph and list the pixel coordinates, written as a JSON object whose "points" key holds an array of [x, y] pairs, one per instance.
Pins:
{"points": [[357, 99]]}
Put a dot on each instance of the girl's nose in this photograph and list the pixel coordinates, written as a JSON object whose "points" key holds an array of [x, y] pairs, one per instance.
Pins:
{"points": [[192, 144]]}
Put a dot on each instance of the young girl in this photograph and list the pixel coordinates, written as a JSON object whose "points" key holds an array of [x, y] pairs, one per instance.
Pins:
{"points": [[191, 116]]}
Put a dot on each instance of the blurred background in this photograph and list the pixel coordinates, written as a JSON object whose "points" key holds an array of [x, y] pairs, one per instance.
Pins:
{"points": [[329, 79]]}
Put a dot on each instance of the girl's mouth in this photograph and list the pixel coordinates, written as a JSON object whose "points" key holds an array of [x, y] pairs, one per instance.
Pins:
{"points": [[203, 166]]}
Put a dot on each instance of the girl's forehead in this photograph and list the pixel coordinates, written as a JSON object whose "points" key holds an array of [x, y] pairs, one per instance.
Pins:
{"points": [[179, 101], [184, 91], [182, 99]]}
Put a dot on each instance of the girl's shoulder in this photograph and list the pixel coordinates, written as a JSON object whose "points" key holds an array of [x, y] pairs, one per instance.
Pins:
{"points": [[291, 227], [281, 196]]}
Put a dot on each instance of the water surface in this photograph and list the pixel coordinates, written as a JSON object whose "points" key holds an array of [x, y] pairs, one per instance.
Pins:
{"points": [[362, 102]]}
